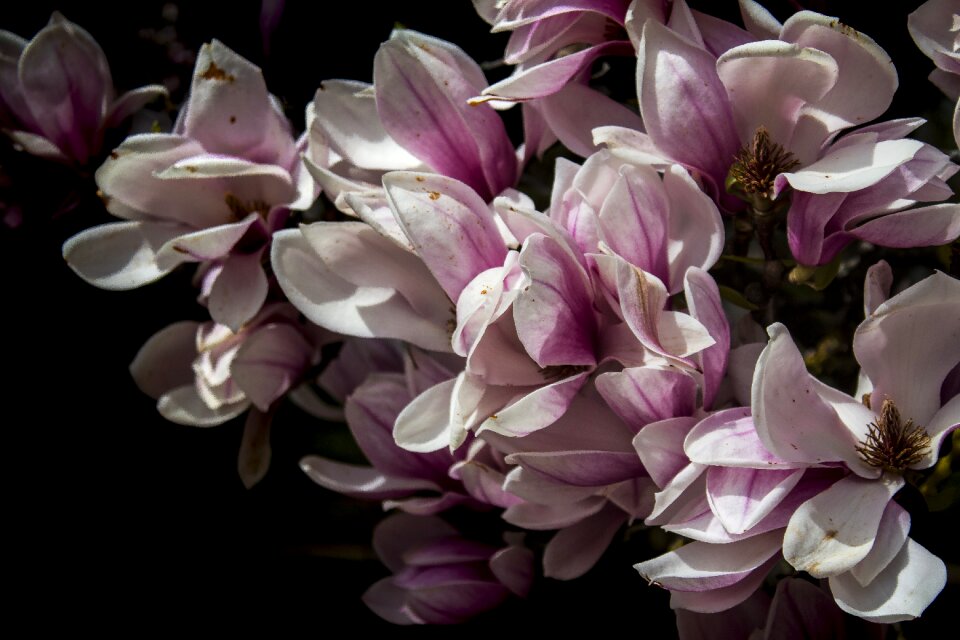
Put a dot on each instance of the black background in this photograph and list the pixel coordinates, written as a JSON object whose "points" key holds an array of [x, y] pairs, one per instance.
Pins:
{"points": [[116, 519]]}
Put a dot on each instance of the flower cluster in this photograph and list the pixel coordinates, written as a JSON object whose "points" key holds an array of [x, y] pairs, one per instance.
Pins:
{"points": [[613, 354]]}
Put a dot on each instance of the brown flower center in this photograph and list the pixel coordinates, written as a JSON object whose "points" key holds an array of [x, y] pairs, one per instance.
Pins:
{"points": [[556, 372], [892, 444], [755, 168]]}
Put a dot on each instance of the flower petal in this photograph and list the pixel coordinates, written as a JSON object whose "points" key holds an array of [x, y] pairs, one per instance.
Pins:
{"points": [[120, 255], [743, 497], [575, 549]]}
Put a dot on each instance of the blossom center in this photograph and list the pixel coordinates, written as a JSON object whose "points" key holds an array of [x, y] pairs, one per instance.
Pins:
{"points": [[892, 444], [556, 372], [755, 169]]}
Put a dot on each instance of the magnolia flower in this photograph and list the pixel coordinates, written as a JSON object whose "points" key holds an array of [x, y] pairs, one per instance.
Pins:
{"points": [[213, 192], [763, 118], [56, 94], [935, 27], [852, 532], [440, 576], [205, 374]]}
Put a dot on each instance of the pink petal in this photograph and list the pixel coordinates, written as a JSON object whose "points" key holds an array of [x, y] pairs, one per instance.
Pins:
{"points": [[754, 74], [270, 362], [515, 14], [239, 291], [867, 79], [400, 533], [634, 220], [120, 255], [901, 592], [206, 244], [703, 302], [450, 227], [699, 566], [575, 549], [183, 405], [422, 86], [683, 103], [423, 425], [535, 410], [876, 287], [363, 483], [743, 497], [910, 344], [717, 600], [573, 112], [389, 601], [641, 395], [230, 112], [758, 21], [545, 517], [346, 116], [660, 447], [554, 312], [163, 362], [833, 531], [131, 102], [255, 452], [365, 309], [892, 533], [791, 419], [513, 567], [729, 438], [719, 36], [696, 227], [853, 167], [922, 227]]}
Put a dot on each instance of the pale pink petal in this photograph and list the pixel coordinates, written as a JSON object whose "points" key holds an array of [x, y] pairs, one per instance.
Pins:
{"points": [[515, 14], [131, 102], [346, 115], [696, 228], [833, 531], [791, 419], [753, 76], [758, 21], [876, 286], [743, 497], [230, 111], [807, 220], [270, 362], [630, 145], [539, 489], [513, 567], [426, 505], [684, 104], [923, 227], [360, 310], [704, 304], [900, 592], [364, 483], [400, 533], [424, 424], [852, 168], [867, 79], [699, 566], [910, 344], [942, 424], [728, 438], [248, 182], [255, 452], [891, 535], [239, 291], [183, 405], [717, 600], [535, 410], [573, 112], [484, 484], [163, 362], [120, 255], [206, 244], [37, 145], [575, 549], [389, 601], [449, 225], [422, 86], [549, 77], [660, 447], [719, 36]]}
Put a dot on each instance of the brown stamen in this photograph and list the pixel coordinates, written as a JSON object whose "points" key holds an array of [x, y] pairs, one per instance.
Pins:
{"points": [[891, 444], [756, 167], [556, 372]]}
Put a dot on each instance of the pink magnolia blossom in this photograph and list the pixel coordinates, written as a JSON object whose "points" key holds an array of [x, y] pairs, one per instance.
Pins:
{"points": [[56, 93], [851, 531], [213, 192], [205, 374], [764, 118], [441, 576]]}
